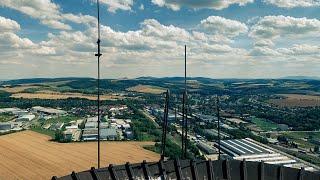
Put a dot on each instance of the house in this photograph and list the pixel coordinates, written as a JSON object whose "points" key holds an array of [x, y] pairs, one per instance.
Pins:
{"points": [[128, 134], [126, 126], [68, 134]]}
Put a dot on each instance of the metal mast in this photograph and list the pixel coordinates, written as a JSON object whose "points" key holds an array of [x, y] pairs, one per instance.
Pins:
{"points": [[98, 101], [218, 115], [182, 126], [185, 102], [165, 125]]}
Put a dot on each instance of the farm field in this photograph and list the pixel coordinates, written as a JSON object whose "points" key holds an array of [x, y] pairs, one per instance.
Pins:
{"points": [[147, 89], [30, 155], [264, 124], [296, 100], [18, 89], [301, 137], [58, 95]]}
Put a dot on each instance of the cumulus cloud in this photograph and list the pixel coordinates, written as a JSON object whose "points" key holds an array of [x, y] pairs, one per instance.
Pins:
{"points": [[11, 42], [8, 25], [153, 44], [44, 10], [47, 12], [80, 19], [272, 27], [114, 5], [305, 50], [221, 25], [300, 50], [293, 3], [199, 4]]}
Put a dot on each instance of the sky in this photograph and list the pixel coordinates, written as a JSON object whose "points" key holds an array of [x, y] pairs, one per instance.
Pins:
{"points": [[224, 38]]}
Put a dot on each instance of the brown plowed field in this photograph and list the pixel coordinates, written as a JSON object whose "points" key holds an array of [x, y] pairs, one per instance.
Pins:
{"points": [[296, 100], [29, 155], [147, 89]]}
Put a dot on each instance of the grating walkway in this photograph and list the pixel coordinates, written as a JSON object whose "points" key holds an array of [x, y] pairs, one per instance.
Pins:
{"points": [[195, 170]]}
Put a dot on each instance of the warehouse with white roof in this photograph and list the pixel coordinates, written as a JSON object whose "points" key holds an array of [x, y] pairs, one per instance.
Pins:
{"points": [[251, 150]]}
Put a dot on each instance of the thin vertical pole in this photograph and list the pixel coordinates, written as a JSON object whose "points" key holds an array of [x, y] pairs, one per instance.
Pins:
{"points": [[185, 101], [165, 125], [175, 114], [219, 139], [98, 100], [182, 127]]}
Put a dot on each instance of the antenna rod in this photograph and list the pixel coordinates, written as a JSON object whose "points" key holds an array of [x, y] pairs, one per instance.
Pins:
{"points": [[185, 102], [165, 125], [218, 115], [98, 55], [182, 127]]}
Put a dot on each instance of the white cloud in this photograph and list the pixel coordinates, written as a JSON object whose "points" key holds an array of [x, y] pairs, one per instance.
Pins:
{"points": [[300, 50], [305, 50], [141, 7], [47, 12], [264, 51], [44, 10], [293, 3], [221, 25], [114, 5], [264, 42], [80, 19], [11, 42], [273, 27], [199, 4], [8, 25]]}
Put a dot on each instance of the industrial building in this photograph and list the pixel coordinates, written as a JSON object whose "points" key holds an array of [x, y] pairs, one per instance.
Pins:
{"points": [[49, 111], [205, 148], [90, 134], [108, 134], [92, 119], [91, 125], [5, 126], [26, 117], [57, 126], [251, 150]]}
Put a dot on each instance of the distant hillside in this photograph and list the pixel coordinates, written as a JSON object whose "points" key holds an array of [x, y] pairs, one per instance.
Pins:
{"points": [[40, 80], [301, 77]]}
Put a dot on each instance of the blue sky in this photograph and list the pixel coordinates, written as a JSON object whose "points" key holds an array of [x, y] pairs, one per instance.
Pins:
{"points": [[225, 39]]}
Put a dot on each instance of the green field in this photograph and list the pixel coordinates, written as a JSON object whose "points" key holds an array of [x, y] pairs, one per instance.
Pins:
{"points": [[44, 131], [264, 124], [5, 117], [301, 138], [64, 119], [298, 135]]}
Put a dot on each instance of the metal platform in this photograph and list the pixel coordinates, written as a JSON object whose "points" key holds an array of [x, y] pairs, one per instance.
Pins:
{"points": [[196, 170]]}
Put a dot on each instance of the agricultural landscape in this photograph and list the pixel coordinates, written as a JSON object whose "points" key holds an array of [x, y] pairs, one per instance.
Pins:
{"points": [[280, 113], [30, 155]]}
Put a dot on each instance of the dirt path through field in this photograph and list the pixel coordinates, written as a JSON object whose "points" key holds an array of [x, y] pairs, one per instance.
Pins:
{"points": [[29, 155]]}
